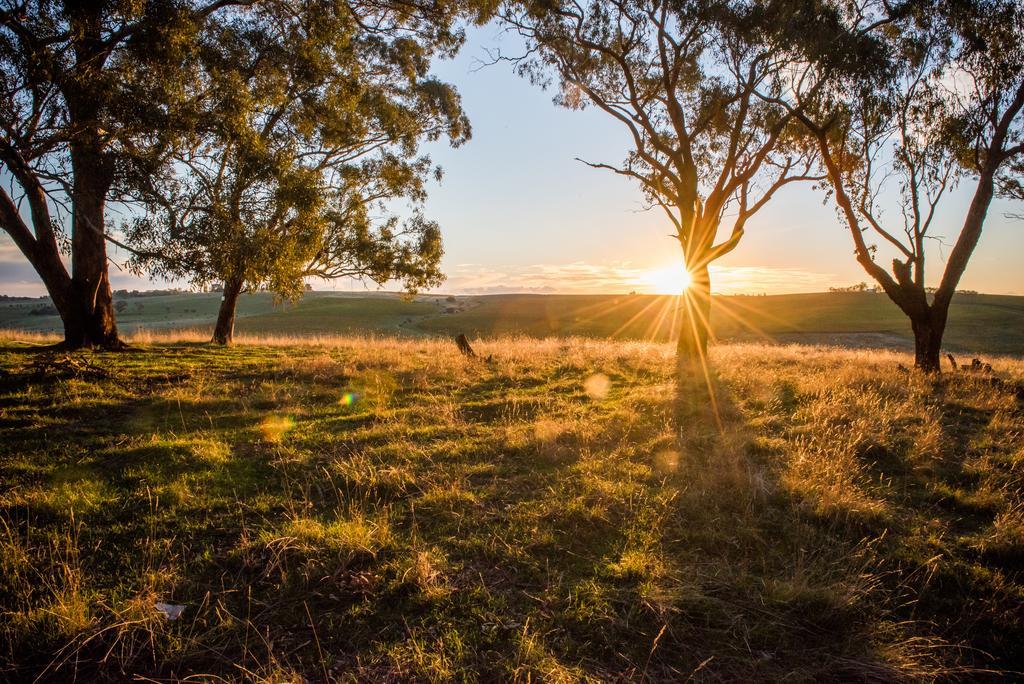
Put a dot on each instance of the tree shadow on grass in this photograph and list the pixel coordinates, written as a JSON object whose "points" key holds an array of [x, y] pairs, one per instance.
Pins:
{"points": [[971, 590], [142, 519], [634, 557], [735, 582], [913, 570]]}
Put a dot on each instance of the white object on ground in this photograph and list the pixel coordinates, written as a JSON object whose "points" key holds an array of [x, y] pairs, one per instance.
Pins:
{"points": [[171, 611]]}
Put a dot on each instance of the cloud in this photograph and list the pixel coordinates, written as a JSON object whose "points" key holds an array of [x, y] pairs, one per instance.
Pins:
{"points": [[758, 279], [19, 279], [619, 277], [9, 251], [576, 277]]}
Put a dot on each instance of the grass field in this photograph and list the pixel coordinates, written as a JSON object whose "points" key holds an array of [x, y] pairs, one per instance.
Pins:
{"points": [[385, 510], [257, 313], [979, 324]]}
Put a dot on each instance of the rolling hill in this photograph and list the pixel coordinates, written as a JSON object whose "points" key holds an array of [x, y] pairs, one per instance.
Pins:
{"points": [[984, 324]]}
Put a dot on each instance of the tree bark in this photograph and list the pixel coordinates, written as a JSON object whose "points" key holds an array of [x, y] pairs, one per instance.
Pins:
{"points": [[927, 342], [89, 320], [695, 323], [65, 299], [224, 331]]}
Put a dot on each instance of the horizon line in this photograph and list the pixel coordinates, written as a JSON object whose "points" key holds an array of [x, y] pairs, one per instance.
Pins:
{"points": [[399, 293]]}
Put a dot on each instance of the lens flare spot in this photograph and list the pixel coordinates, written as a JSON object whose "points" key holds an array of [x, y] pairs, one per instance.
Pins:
{"points": [[274, 428], [547, 430], [666, 461], [348, 399], [597, 386]]}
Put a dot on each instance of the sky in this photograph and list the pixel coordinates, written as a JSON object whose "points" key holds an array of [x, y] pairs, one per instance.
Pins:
{"points": [[519, 213]]}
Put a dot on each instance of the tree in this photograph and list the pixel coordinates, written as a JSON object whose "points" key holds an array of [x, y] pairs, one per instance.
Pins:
{"points": [[88, 91], [942, 105], [310, 133], [682, 77]]}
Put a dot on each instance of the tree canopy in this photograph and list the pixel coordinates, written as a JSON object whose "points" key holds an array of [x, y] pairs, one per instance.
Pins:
{"points": [[99, 97], [938, 103], [92, 93], [683, 78], [309, 134]]}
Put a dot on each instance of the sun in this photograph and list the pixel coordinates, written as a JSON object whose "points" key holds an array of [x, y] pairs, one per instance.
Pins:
{"points": [[671, 281]]}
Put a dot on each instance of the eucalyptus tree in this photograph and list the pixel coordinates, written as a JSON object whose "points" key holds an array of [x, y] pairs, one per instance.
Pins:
{"points": [[683, 77], [89, 90], [939, 103], [98, 94], [309, 138]]}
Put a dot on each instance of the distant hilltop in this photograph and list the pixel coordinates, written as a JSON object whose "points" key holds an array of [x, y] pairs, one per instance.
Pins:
{"points": [[864, 287]]}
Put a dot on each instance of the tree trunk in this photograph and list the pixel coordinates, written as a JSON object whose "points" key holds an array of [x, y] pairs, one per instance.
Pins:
{"points": [[224, 331], [928, 335], [91, 322], [695, 323], [65, 299], [928, 341]]}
